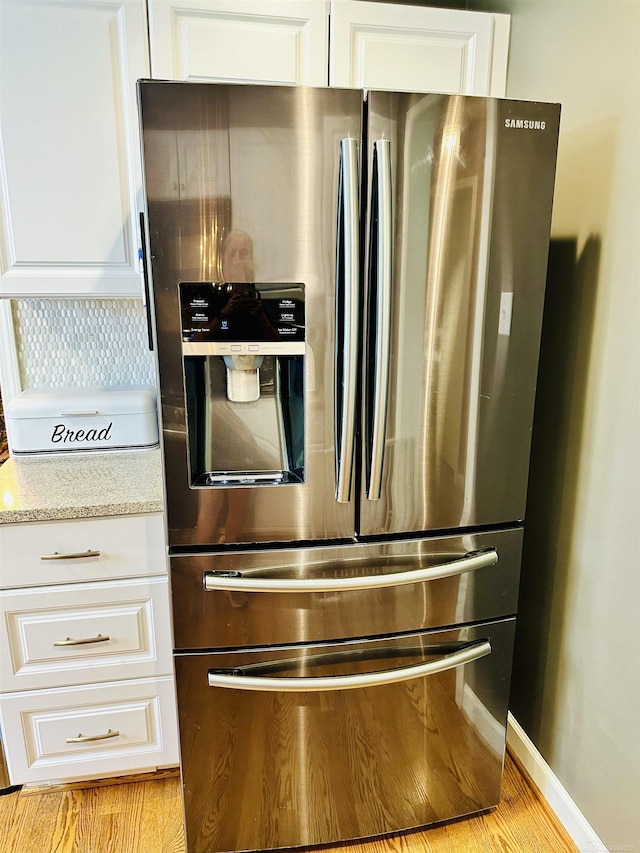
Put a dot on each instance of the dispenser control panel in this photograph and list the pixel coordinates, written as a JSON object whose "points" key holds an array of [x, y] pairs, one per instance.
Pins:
{"points": [[224, 318]]}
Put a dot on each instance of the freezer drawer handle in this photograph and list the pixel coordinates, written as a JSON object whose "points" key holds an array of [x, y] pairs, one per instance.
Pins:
{"points": [[86, 738], [347, 310], [75, 556], [83, 642], [380, 271], [239, 583], [217, 678]]}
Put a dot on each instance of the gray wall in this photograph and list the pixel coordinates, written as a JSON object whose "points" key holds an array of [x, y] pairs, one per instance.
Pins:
{"points": [[576, 681]]}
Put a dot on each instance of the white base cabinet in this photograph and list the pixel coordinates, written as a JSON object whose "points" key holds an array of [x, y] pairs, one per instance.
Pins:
{"points": [[91, 731], [52, 552], [86, 673], [100, 631]]}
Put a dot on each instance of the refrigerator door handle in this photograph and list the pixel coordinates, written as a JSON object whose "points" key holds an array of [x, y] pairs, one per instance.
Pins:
{"points": [[347, 313], [380, 270], [238, 680], [247, 583]]}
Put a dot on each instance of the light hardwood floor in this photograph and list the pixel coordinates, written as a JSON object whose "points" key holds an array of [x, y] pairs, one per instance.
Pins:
{"points": [[145, 816]]}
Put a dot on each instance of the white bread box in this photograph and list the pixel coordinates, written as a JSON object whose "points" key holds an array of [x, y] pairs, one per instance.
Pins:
{"points": [[82, 420]]}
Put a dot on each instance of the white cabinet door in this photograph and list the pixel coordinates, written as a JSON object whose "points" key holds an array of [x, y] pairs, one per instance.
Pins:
{"points": [[69, 161], [81, 633], [253, 41], [90, 731], [414, 48], [90, 549]]}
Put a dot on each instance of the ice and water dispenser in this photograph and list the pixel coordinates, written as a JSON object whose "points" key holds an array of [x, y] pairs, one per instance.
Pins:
{"points": [[243, 347]]}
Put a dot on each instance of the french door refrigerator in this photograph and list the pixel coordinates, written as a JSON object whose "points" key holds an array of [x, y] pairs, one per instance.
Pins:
{"points": [[346, 295]]}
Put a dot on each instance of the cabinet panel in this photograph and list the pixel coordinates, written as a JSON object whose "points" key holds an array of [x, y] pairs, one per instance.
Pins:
{"points": [[411, 48], [75, 634], [85, 550], [98, 730], [69, 146], [253, 41]]}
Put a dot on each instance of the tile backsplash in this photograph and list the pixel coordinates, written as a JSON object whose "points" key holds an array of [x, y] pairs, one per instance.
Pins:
{"points": [[82, 342]]}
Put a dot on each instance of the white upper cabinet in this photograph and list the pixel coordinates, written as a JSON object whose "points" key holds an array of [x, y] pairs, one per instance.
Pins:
{"points": [[70, 183], [347, 43], [417, 48], [240, 41], [69, 152]]}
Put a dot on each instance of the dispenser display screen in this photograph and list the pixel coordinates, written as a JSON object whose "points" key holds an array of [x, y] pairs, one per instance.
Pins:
{"points": [[243, 313]]}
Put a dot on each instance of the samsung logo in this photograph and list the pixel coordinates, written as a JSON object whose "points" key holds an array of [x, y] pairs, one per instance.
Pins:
{"points": [[525, 124]]}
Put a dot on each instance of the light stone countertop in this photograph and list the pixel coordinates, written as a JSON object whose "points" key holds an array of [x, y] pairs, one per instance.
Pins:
{"points": [[88, 486]]}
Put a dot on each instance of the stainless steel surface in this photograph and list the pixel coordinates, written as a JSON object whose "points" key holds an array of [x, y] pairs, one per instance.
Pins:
{"points": [[472, 201], [240, 680], [347, 317], [472, 205], [69, 641], [89, 738], [223, 618], [247, 582], [382, 328], [265, 160], [75, 556], [266, 769], [333, 712]]}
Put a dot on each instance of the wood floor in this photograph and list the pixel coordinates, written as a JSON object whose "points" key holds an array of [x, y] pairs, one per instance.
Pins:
{"points": [[146, 817]]}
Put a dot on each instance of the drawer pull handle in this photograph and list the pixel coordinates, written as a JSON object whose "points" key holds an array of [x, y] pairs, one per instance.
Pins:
{"points": [[236, 581], [79, 556], [86, 738], [237, 679], [85, 641]]}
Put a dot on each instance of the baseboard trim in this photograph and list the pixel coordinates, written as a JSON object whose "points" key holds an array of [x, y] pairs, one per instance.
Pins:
{"points": [[552, 790]]}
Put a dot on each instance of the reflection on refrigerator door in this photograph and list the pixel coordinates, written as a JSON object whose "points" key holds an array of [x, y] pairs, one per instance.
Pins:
{"points": [[308, 745]]}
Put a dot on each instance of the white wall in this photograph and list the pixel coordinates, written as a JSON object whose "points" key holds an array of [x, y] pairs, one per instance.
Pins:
{"points": [[576, 679]]}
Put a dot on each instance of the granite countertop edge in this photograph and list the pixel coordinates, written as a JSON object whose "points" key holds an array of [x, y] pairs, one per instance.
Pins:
{"points": [[88, 486], [8, 516]]}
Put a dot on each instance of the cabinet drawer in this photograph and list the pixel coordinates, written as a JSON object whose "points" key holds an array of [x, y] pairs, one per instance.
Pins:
{"points": [[99, 730], [53, 552], [75, 634]]}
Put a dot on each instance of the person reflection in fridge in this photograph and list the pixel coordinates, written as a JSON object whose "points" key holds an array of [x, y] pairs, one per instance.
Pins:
{"points": [[239, 316], [237, 257]]}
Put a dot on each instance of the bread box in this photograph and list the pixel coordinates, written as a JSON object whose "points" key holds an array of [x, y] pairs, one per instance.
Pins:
{"points": [[81, 420]]}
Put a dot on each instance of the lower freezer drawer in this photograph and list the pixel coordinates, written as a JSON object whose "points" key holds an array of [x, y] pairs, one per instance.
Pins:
{"points": [[379, 736]]}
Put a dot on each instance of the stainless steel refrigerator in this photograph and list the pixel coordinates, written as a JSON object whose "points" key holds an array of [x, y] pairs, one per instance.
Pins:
{"points": [[346, 295]]}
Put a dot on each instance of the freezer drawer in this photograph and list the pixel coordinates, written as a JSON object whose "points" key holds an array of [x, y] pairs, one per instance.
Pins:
{"points": [[340, 758], [471, 578]]}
